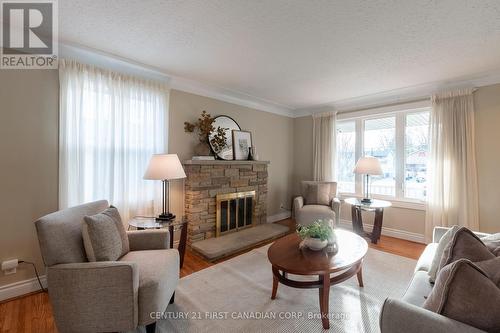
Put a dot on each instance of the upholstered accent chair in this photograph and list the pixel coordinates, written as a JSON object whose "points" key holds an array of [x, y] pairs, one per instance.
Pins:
{"points": [[309, 206], [105, 296]]}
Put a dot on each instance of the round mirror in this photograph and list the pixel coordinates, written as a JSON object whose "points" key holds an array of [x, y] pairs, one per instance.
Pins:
{"points": [[223, 124]]}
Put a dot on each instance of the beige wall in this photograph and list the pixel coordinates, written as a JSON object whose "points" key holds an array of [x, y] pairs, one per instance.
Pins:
{"points": [[487, 122], [272, 135], [28, 162], [303, 157]]}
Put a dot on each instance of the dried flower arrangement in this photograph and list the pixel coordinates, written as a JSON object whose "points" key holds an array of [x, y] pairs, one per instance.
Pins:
{"points": [[204, 127]]}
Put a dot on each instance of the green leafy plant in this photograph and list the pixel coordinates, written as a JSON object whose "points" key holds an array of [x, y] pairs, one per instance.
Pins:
{"points": [[320, 229], [204, 127]]}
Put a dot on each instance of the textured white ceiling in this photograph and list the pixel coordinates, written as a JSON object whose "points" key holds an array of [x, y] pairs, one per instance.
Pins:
{"points": [[299, 54]]}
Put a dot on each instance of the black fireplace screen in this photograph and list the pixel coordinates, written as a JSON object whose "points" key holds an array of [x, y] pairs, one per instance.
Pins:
{"points": [[234, 211]]}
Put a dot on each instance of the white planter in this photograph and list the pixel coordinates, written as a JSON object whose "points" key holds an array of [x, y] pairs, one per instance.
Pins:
{"points": [[315, 244]]}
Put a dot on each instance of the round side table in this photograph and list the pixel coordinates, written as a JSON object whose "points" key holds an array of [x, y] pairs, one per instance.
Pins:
{"points": [[377, 206]]}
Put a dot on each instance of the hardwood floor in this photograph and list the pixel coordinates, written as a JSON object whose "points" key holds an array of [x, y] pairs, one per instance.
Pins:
{"points": [[33, 313]]}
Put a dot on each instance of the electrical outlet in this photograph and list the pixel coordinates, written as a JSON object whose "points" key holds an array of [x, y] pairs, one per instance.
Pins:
{"points": [[10, 266]]}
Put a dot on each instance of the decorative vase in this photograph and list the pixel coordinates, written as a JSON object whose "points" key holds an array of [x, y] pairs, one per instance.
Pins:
{"points": [[332, 246], [202, 149], [315, 244], [253, 154]]}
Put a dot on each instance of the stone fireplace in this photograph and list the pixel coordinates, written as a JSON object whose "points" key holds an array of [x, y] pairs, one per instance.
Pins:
{"points": [[227, 185]]}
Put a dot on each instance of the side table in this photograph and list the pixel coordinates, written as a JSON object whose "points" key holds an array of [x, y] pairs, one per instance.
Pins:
{"points": [[376, 206], [143, 223]]}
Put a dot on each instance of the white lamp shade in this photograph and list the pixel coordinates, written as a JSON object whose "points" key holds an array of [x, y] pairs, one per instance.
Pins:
{"points": [[164, 167], [368, 165]]}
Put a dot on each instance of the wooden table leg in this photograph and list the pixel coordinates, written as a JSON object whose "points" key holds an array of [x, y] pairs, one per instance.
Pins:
{"points": [[377, 225], [360, 276], [324, 298], [171, 231], [182, 243], [275, 283]]}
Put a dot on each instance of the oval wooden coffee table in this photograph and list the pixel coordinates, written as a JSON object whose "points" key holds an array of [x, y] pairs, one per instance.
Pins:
{"points": [[286, 258]]}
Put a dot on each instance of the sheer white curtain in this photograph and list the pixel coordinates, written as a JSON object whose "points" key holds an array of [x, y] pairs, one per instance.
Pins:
{"points": [[109, 126], [324, 146], [453, 192]]}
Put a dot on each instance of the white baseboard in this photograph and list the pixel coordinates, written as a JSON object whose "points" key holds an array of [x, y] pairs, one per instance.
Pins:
{"points": [[21, 288], [396, 233], [280, 216]]}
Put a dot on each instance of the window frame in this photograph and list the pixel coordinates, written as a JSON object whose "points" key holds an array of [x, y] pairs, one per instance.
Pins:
{"points": [[359, 118]]}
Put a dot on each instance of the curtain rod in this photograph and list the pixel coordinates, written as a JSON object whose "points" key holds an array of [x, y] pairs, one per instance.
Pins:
{"points": [[382, 106]]}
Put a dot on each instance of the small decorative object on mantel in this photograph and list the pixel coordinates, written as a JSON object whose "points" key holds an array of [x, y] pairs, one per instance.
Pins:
{"points": [[316, 235], [253, 154], [228, 124], [208, 135], [242, 141]]}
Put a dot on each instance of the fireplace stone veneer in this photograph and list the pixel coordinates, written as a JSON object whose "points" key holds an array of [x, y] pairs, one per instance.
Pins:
{"points": [[206, 179]]}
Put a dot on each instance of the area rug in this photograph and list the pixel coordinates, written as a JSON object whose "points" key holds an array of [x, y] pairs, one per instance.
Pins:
{"points": [[234, 296]]}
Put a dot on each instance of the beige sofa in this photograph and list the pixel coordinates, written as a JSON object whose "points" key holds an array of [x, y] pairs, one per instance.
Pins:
{"points": [[407, 314], [105, 296], [306, 214]]}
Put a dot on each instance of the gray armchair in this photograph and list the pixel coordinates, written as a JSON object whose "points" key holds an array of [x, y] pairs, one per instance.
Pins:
{"points": [[105, 296], [306, 213]]}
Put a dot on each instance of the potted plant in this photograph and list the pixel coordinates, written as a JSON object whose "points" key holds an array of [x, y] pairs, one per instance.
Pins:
{"points": [[204, 127], [316, 235]]}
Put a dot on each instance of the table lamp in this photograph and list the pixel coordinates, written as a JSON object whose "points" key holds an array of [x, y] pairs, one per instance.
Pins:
{"points": [[165, 167], [368, 165]]}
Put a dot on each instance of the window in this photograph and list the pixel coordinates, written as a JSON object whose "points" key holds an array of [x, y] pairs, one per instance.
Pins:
{"points": [[111, 124], [380, 142], [399, 140], [416, 154]]}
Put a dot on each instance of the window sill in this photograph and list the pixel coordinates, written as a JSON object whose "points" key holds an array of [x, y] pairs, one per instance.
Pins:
{"points": [[396, 203]]}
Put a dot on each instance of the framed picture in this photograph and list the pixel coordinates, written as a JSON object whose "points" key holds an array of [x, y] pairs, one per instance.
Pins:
{"points": [[242, 141]]}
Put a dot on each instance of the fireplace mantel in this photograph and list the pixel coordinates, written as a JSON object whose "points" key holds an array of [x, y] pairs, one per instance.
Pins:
{"points": [[207, 179]]}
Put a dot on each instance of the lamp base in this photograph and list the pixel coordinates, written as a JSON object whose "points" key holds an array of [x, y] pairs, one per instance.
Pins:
{"points": [[366, 200], [165, 217]]}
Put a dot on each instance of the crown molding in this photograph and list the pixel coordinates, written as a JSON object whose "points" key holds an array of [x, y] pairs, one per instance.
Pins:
{"points": [[405, 95], [123, 65], [230, 96]]}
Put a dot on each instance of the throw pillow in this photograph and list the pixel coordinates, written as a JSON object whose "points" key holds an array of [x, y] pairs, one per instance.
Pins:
{"points": [[492, 268], [104, 236], [445, 239], [464, 292], [465, 245], [318, 194], [492, 242]]}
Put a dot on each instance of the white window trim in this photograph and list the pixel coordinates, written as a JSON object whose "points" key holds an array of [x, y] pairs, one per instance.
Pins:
{"points": [[399, 112]]}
